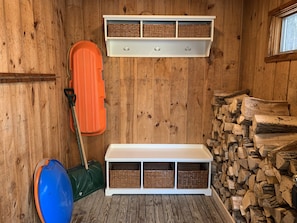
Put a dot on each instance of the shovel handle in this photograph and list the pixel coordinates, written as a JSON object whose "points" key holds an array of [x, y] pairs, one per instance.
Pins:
{"points": [[69, 92]]}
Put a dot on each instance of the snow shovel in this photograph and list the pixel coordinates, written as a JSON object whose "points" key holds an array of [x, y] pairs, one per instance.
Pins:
{"points": [[87, 177]]}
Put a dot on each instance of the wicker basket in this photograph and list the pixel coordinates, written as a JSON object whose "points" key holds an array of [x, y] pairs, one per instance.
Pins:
{"points": [[124, 175], [158, 175], [158, 30], [123, 30], [192, 175], [194, 30]]}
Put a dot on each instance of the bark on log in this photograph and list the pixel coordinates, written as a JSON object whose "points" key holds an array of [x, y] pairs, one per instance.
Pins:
{"points": [[274, 124], [273, 139], [220, 98], [251, 106]]}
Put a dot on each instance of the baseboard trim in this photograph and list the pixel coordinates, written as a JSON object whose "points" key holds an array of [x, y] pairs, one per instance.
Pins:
{"points": [[221, 206]]}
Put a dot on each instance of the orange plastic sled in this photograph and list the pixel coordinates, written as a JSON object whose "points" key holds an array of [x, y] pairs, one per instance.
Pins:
{"points": [[85, 65]]}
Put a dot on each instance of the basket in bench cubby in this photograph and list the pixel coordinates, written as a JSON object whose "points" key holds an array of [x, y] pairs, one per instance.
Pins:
{"points": [[123, 30], [124, 175], [158, 175], [192, 175], [164, 29]]}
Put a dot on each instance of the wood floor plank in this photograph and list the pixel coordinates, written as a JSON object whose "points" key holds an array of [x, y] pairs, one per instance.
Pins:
{"points": [[167, 209], [106, 205], [158, 209], [98, 208], [133, 209], [113, 210], [202, 209], [212, 209], [176, 209], [185, 209], [123, 209], [141, 204], [79, 212], [196, 214], [95, 206], [149, 209]]}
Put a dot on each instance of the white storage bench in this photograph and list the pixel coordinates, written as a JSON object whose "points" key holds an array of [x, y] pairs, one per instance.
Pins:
{"points": [[158, 169]]}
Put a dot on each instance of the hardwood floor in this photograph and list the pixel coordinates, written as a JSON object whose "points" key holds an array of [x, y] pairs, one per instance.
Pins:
{"points": [[98, 208]]}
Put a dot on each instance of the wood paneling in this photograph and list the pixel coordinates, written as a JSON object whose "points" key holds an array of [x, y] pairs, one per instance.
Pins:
{"points": [[271, 81], [32, 113], [148, 100]]}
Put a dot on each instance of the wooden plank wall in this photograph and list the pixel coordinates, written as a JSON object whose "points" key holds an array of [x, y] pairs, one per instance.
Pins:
{"points": [[149, 100], [32, 114], [271, 81], [160, 100]]}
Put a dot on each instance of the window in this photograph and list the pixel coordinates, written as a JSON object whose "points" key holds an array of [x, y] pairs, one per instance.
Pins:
{"points": [[289, 33], [282, 45]]}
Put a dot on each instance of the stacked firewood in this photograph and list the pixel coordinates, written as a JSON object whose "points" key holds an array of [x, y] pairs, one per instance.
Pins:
{"points": [[254, 145]]}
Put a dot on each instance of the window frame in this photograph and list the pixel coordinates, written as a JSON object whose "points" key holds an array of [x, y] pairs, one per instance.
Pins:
{"points": [[274, 33]]}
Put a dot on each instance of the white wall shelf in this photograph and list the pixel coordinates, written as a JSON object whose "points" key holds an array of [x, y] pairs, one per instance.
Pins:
{"points": [[142, 154], [158, 36]]}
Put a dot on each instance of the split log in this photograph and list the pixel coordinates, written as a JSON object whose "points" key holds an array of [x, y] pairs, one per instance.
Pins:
{"points": [[286, 186], [253, 162], [293, 166], [227, 204], [290, 146], [274, 124], [260, 176], [270, 202], [228, 127], [238, 129], [236, 214], [264, 190], [230, 172], [252, 182], [267, 212], [290, 216], [241, 152], [243, 175], [225, 194], [220, 97], [241, 192], [249, 199], [216, 132], [264, 150], [277, 174], [212, 142], [269, 171], [243, 163], [277, 214], [251, 106], [257, 215], [230, 139], [282, 160], [235, 105], [231, 184], [236, 202], [236, 168], [273, 139], [287, 196], [238, 97], [278, 194]]}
